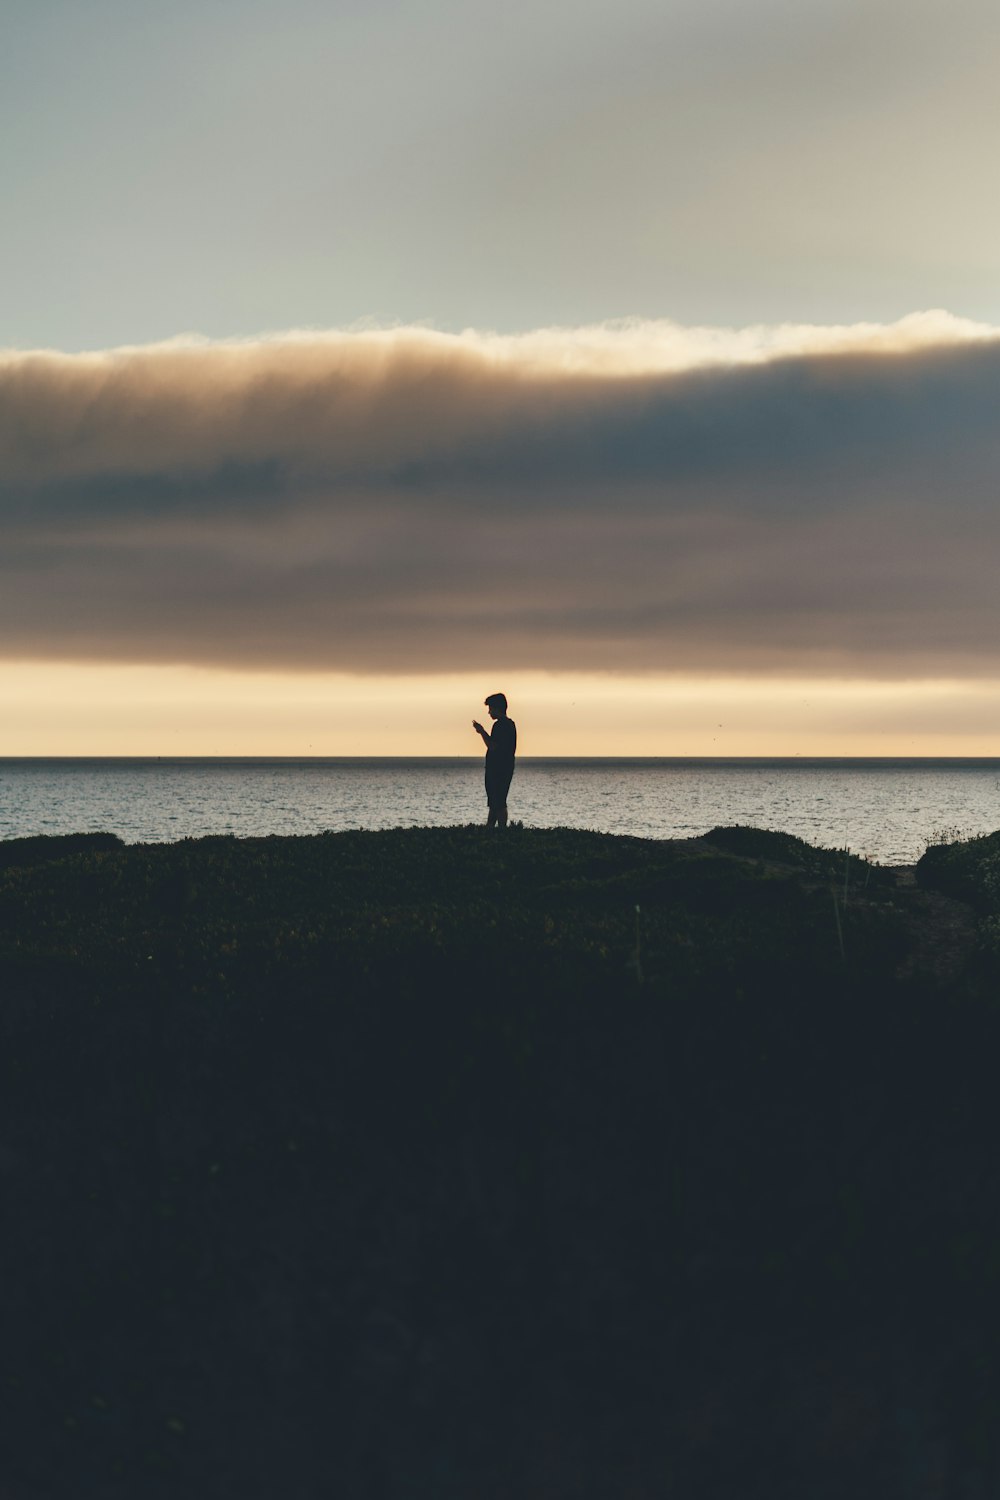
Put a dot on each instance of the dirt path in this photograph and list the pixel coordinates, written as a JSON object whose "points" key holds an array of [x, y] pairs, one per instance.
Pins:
{"points": [[944, 931]]}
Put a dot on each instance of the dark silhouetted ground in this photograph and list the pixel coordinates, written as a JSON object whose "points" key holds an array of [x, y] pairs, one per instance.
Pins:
{"points": [[421, 1165]]}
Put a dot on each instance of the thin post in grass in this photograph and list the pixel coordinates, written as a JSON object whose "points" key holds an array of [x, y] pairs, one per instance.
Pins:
{"points": [[840, 930]]}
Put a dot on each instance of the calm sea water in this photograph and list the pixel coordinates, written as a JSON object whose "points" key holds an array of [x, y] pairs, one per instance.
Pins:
{"points": [[888, 810]]}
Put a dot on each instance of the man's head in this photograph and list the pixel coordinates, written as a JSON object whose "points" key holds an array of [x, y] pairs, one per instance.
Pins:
{"points": [[497, 705]]}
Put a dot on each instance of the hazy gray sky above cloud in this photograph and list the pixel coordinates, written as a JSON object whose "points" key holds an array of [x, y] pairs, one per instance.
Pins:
{"points": [[636, 499], [236, 165]]}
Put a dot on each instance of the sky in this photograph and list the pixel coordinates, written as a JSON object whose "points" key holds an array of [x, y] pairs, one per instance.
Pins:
{"points": [[641, 360]]}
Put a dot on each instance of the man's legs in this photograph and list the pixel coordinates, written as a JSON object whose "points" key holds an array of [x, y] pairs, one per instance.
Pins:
{"points": [[497, 817], [496, 796]]}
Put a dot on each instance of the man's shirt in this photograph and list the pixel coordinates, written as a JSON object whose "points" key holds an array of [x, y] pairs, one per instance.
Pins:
{"points": [[502, 745]]}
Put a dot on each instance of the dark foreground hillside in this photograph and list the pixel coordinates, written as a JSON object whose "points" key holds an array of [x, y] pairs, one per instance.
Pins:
{"points": [[442, 1166]]}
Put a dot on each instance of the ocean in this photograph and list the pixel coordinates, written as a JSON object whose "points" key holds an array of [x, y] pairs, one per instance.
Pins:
{"points": [[886, 810]]}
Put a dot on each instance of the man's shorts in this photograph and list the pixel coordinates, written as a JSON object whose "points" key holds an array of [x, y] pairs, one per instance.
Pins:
{"points": [[498, 785]]}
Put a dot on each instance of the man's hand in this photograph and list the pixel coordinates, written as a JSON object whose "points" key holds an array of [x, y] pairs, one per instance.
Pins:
{"points": [[477, 726]]}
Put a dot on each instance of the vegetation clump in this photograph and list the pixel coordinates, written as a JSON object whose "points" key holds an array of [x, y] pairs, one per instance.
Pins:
{"points": [[41, 848], [786, 849], [968, 869]]}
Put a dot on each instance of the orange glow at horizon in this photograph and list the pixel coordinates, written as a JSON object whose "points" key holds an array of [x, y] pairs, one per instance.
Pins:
{"points": [[62, 709]]}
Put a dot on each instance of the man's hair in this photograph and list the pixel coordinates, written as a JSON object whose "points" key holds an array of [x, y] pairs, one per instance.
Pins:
{"points": [[498, 698]]}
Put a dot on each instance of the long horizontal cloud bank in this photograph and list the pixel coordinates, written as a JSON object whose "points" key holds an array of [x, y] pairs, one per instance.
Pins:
{"points": [[629, 498]]}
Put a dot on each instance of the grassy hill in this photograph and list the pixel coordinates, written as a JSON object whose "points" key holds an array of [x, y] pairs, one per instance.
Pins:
{"points": [[429, 1163]]}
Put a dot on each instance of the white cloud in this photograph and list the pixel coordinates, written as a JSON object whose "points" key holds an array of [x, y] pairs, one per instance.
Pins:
{"points": [[630, 497]]}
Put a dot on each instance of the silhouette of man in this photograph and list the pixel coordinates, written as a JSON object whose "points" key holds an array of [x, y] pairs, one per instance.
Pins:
{"points": [[501, 743]]}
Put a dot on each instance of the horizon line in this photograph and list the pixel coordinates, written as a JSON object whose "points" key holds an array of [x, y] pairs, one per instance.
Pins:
{"points": [[476, 759]]}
